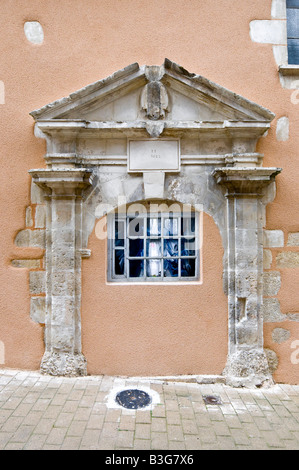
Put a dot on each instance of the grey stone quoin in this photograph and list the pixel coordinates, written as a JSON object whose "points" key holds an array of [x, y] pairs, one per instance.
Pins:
{"points": [[89, 164]]}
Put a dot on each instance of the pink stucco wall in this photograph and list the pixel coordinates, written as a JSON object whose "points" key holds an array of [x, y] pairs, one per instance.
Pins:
{"points": [[86, 40]]}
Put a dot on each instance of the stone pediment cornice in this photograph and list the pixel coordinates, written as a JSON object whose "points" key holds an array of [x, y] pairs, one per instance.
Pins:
{"points": [[154, 82]]}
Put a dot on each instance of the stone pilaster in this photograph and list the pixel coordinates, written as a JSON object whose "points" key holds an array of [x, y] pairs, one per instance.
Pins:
{"points": [[64, 189], [245, 187]]}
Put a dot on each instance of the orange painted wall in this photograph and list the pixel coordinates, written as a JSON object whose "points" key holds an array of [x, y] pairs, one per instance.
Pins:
{"points": [[86, 40], [155, 330]]}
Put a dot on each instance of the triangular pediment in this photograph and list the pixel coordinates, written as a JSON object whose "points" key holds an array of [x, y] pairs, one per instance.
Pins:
{"points": [[166, 93]]}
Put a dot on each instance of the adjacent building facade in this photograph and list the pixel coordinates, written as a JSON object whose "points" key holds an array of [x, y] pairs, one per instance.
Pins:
{"points": [[154, 230]]}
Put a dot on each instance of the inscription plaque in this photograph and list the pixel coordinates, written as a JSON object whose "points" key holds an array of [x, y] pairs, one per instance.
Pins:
{"points": [[153, 155]]}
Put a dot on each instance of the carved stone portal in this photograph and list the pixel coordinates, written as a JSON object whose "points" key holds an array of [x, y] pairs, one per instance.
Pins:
{"points": [[146, 133]]}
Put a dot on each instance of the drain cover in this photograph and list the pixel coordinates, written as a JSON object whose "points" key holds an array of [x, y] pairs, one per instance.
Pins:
{"points": [[212, 400], [133, 399]]}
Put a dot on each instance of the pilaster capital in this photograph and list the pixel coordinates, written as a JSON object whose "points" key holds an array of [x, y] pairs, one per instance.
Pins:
{"points": [[245, 182], [64, 181]]}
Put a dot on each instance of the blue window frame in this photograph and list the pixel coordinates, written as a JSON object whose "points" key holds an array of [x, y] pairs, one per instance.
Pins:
{"points": [[293, 31]]}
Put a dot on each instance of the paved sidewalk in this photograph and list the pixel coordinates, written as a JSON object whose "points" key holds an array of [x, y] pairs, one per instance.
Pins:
{"points": [[41, 412]]}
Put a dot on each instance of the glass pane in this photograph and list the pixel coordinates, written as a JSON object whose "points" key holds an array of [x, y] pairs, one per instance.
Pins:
{"points": [[293, 51], [136, 227], [153, 226], [293, 23], [153, 248], [136, 247], [153, 268], [171, 248], [119, 233], [119, 260], [292, 3], [188, 247], [136, 268], [188, 225], [170, 267], [188, 267], [171, 227]]}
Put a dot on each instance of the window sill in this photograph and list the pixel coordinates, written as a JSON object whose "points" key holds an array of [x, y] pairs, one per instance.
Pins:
{"points": [[155, 283], [289, 70], [289, 76]]}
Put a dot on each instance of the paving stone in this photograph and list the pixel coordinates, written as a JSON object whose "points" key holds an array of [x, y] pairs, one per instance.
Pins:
{"points": [[142, 431], [49, 413], [125, 439], [159, 424]]}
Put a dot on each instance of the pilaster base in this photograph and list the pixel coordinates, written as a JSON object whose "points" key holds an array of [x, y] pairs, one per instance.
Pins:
{"points": [[63, 364], [248, 369]]}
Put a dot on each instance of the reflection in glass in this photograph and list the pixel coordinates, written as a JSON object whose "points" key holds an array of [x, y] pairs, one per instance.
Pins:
{"points": [[119, 262], [136, 247], [188, 225], [171, 248], [136, 227], [136, 268], [171, 268], [153, 226], [119, 233], [153, 267], [153, 248], [171, 227], [188, 267], [188, 246]]}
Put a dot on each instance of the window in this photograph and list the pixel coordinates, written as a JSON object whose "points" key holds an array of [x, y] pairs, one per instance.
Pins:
{"points": [[293, 31], [153, 247]]}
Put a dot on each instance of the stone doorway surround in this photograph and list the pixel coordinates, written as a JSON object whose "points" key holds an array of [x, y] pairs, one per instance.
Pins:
{"points": [[89, 164]]}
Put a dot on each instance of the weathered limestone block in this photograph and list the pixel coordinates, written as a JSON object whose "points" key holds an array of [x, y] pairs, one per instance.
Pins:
{"points": [[273, 239], [40, 216], [26, 263], [280, 335], [63, 283], [247, 332], [154, 184], [267, 259], [34, 32], [268, 31], [63, 336], [293, 316], [272, 283], [63, 363], [38, 309], [28, 217], [30, 238], [282, 129], [63, 308], [293, 239], [248, 368], [271, 311], [37, 282], [37, 194], [278, 9], [287, 259], [272, 360]]}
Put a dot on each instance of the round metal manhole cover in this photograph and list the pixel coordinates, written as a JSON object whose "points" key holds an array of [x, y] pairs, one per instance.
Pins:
{"points": [[133, 399]]}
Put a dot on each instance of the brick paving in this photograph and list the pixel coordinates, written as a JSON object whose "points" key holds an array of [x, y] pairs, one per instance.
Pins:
{"points": [[48, 413]]}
